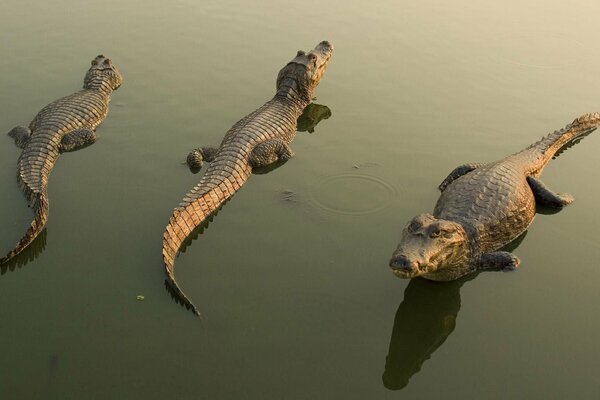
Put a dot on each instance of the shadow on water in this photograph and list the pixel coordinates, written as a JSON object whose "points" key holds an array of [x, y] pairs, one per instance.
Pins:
{"points": [[29, 254], [310, 118], [423, 322]]}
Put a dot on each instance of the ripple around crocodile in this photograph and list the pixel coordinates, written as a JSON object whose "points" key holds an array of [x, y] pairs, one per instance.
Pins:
{"points": [[352, 194]]}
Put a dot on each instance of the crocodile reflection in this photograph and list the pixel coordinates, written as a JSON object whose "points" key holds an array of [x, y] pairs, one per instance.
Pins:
{"points": [[307, 121], [423, 322], [311, 116], [33, 251]]}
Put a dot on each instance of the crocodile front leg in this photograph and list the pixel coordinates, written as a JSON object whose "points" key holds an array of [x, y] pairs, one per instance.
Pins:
{"points": [[498, 260], [196, 157], [76, 140], [457, 173], [21, 136], [547, 197], [270, 151]]}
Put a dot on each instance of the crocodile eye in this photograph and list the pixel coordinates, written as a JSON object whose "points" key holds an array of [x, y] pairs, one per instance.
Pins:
{"points": [[412, 227], [107, 61], [94, 62], [448, 234], [300, 53]]}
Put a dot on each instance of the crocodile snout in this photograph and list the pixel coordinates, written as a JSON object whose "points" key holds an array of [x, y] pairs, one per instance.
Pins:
{"points": [[402, 263], [325, 45]]}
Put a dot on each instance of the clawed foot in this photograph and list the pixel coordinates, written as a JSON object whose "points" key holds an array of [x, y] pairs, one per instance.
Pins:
{"points": [[565, 198], [195, 159], [512, 264], [499, 261]]}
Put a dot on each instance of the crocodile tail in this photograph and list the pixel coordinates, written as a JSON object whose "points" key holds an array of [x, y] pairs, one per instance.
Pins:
{"points": [[555, 142], [196, 207], [41, 209]]}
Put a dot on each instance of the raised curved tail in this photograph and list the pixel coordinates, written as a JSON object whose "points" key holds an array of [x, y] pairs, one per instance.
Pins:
{"points": [[202, 201], [555, 142], [41, 209]]}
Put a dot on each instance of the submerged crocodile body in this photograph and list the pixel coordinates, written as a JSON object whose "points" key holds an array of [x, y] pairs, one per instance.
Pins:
{"points": [[258, 140], [482, 208], [66, 124]]}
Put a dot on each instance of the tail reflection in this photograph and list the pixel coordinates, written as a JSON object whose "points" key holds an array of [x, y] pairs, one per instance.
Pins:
{"points": [[311, 116], [31, 253]]}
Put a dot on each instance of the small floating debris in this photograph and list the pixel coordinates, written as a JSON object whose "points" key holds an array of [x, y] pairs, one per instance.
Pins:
{"points": [[140, 297]]}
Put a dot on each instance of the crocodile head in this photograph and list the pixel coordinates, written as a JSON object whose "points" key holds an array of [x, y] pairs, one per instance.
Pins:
{"points": [[430, 247], [305, 70], [102, 74]]}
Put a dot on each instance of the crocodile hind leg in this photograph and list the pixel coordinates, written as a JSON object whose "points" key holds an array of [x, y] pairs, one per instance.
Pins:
{"points": [[76, 140], [197, 157], [547, 197], [457, 173], [498, 260], [270, 151], [21, 136]]}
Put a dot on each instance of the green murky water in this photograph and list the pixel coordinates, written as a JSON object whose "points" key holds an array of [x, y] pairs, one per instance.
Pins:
{"points": [[292, 275]]}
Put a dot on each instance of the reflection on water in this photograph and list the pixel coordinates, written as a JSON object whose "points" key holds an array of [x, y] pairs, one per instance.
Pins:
{"points": [[307, 121], [425, 318], [423, 322], [29, 254], [311, 116]]}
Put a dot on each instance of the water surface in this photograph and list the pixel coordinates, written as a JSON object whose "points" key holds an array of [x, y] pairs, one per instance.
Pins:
{"points": [[292, 275]]}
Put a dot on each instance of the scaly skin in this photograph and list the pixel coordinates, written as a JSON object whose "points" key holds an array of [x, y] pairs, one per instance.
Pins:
{"points": [[66, 124], [257, 140], [482, 208]]}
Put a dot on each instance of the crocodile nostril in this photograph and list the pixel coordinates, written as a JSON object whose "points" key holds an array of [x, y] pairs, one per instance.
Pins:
{"points": [[401, 262]]}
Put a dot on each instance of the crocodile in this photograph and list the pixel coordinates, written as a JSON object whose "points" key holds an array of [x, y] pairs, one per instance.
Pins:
{"points": [[65, 125], [482, 208], [259, 140]]}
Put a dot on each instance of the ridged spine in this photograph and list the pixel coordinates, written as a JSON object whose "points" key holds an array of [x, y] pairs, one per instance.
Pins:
{"points": [[84, 109], [225, 175], [549, 145]]}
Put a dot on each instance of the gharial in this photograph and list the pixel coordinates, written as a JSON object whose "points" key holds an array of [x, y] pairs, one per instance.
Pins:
{"points": [[482, 208], [66, 124], [260, 139]]}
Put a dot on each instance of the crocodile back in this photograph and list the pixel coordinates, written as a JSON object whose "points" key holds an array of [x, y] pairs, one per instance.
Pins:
{"points": [[83, 109], [225, 175], [495, 199]]}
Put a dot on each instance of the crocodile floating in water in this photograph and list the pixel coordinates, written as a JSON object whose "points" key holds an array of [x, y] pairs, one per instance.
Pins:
{"points": [[482, 208], [257, 140], [424, 320], [66, 124]]}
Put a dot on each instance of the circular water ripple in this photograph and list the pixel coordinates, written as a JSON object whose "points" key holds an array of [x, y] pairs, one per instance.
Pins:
{"points": [[352, 194]]}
